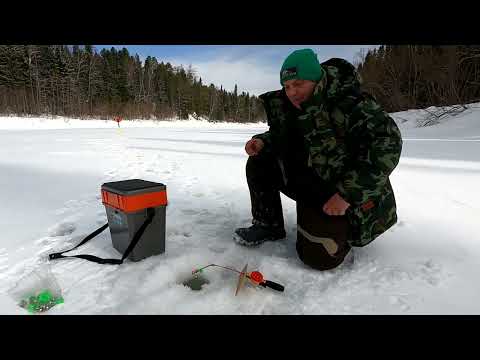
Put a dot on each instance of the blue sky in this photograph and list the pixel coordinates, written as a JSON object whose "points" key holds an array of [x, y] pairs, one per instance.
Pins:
{"points": [[254, 68]]}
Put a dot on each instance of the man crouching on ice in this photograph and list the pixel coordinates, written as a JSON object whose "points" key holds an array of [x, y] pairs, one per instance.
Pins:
{"points": [[331, 148]]}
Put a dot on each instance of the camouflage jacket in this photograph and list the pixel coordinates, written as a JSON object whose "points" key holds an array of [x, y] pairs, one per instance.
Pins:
{"points": [[350, 142]]}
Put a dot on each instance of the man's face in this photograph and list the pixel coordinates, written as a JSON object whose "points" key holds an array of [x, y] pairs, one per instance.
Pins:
{"points": [[299, 91]]}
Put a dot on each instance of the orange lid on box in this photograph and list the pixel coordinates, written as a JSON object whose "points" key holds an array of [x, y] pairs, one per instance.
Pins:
{"points": [[134, 195]]}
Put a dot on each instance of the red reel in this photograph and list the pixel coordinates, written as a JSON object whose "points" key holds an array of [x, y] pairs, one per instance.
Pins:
{"points": [[256, 277]]}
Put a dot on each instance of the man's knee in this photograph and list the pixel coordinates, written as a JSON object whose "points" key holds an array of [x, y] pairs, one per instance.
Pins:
{"points": [[316, 255], [252, 165], [322, 240], [261, 166]]}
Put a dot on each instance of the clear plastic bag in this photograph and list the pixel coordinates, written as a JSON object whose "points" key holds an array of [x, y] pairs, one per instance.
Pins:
{"points": [[38, 291]]}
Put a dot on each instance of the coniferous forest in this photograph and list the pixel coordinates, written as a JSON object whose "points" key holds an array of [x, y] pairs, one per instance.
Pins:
{"points": [[79, 81], [406, 77]]}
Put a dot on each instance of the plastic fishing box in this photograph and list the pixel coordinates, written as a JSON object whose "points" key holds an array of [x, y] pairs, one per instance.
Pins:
{"points": [[127, 204]]}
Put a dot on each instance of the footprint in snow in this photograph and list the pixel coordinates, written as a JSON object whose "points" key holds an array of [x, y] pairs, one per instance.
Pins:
{"points": [[430, 272], [45, 240], [400, 302], [190, 212], [62, 229], [217, 250]]}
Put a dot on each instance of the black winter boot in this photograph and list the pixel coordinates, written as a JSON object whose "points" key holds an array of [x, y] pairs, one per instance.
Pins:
{"points": [[258, 234]]}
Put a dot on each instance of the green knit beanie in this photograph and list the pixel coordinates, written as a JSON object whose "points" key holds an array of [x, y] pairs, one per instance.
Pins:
{"points": [[301, 64]]}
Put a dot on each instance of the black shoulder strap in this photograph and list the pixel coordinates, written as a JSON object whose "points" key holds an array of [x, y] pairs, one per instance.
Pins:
{"points": [[95, 259]]}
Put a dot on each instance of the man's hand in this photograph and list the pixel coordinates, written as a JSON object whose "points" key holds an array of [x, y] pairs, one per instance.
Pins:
{"points": [[254, 146], [336, 206]]}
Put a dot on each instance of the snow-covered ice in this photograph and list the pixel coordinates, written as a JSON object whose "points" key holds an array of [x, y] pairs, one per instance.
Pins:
{"points": [[52, 170]]}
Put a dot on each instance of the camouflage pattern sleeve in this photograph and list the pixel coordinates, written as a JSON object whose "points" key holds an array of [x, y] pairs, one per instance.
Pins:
{"points": [[380, 146], [272, 105]]}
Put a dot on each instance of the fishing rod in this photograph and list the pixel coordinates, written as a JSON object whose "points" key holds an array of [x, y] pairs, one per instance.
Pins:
{"points": [[255, 277]]}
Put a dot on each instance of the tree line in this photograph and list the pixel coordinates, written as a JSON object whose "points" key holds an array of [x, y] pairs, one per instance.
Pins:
{"points": [[78, 81], [405, 77]]}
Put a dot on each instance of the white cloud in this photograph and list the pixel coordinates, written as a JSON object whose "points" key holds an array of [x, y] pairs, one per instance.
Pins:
{"points": [[249, 75], [252, 76], [255, 69]]}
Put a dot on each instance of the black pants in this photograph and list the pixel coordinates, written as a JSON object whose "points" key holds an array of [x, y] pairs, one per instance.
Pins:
{"points": [[267, 176]]}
